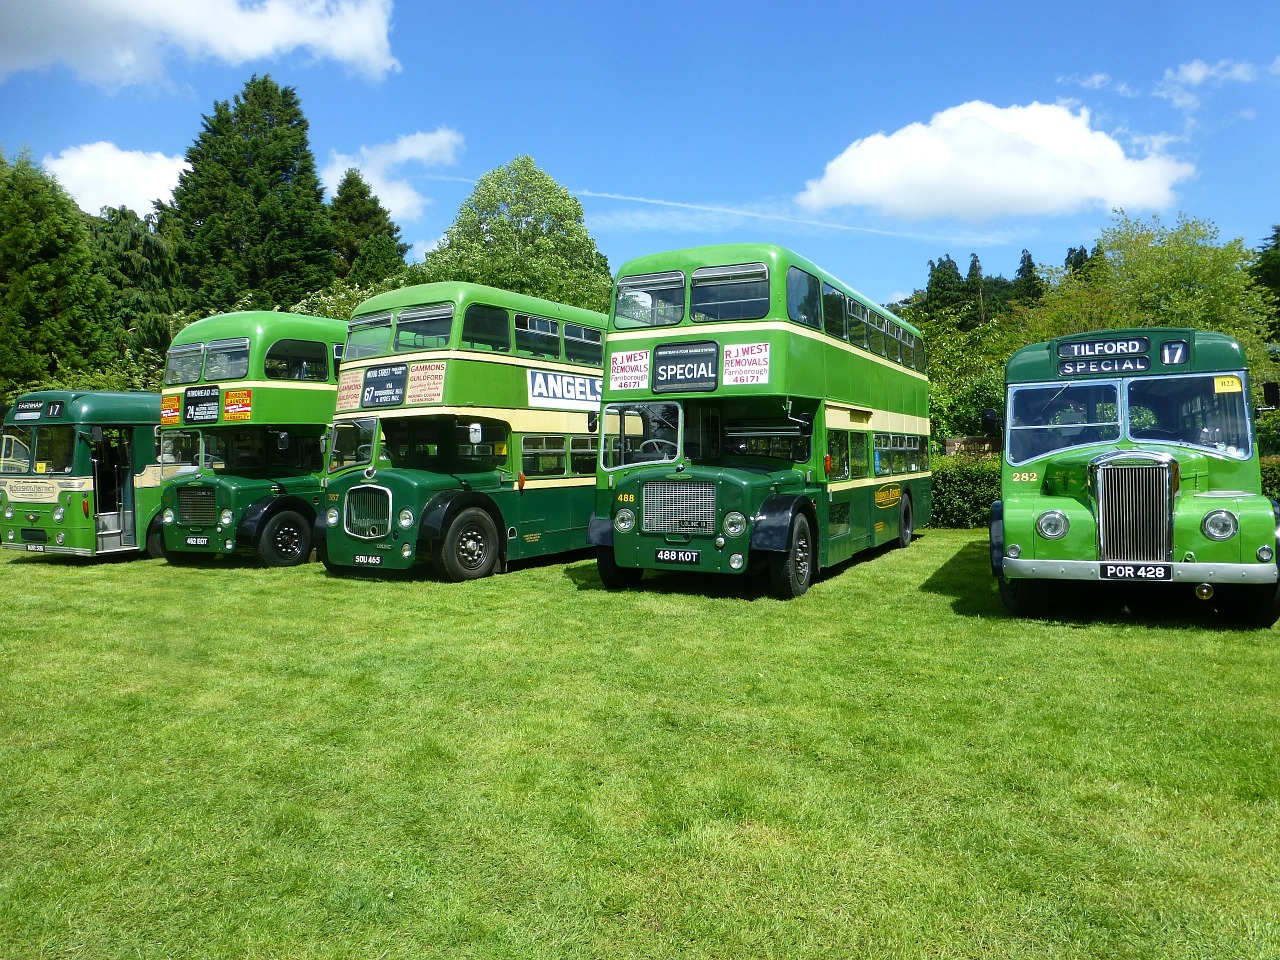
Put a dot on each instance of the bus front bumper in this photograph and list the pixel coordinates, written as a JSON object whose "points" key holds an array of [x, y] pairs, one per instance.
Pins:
{"points": [[1133, 572]]}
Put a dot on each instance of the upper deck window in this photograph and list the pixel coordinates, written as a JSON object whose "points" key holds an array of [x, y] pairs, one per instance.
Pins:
{"points": [[486, 328], [833, 320], [227, 359], [804, 298], [297, 360], [424, 328], [183, 365], [368, 336], [537, 336], [650, 300], [737, 292], [583, 344]]}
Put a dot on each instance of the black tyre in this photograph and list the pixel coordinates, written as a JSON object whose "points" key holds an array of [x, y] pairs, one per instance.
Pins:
{"points": [[906, 523], [1024, 598], [285, 540], [155, 541], [470, 547], [792, 572], [1257, 605], [613, 576]]}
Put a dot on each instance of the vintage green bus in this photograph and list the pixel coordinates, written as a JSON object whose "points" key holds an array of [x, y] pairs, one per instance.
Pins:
{"points": [[1130, 460], [247, 400], [758, 414], [464, 431], [79, 474]]}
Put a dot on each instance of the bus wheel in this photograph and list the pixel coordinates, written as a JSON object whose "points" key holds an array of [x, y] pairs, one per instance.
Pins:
{"points": [[285, 540], [470, 548], [906, 523], [155, 542], [1257, 605], [613, 576], [792, 572], [1024, 598]]}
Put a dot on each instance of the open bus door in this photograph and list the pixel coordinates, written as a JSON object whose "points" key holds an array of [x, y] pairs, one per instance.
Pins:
{"points": [[114, 500]]}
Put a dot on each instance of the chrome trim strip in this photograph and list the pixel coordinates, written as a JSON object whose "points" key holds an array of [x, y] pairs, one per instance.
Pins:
{"points": [[1182, 572]]}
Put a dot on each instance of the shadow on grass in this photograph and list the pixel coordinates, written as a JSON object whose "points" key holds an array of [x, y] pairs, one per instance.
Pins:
{"points": [[966, 578]]}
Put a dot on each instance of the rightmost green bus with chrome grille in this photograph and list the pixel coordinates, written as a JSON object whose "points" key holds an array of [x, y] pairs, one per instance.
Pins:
{"points": [[1131, 460]]}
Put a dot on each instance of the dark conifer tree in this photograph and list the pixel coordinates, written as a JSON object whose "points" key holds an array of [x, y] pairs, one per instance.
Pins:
{"points": [[1027, 286], [251, 211], [357, 216], [139, 263]]}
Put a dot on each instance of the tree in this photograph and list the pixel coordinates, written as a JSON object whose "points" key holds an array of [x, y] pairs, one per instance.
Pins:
{"points": [[140, 264], [357, 217], [53, 306], [1266, 268], [250, 210], [522, 231], [379, 258], [1027, 285]]}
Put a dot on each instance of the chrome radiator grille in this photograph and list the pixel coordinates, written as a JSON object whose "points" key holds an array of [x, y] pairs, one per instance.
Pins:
{"points": [[368, 512], [1134, 512], [197, 505], [678, 507]]}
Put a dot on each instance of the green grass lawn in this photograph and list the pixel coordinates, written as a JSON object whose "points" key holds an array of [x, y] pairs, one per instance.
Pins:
{"points": [[235, 762]]}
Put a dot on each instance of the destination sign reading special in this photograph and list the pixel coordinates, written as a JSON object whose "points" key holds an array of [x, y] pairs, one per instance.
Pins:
{"points": [[1104, 355], [685, 367], [551, 390]]}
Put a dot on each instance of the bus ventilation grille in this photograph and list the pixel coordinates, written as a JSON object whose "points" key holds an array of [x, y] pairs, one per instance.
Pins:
{"points": [[197, 505], [368, 513], [1134, 515], [688, 507]]}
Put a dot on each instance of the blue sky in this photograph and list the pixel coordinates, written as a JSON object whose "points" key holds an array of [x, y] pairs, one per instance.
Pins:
{"points": [[870, 138]]}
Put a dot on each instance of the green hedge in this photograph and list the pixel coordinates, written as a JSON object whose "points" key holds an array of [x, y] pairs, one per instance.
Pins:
{"points": [[964, 489], [1271, 477]]}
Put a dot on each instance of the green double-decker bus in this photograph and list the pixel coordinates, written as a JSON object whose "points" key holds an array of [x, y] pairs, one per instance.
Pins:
{"points": [[464, 431], [1130, 461], [758, 414], [79, 474], [246, 402]]}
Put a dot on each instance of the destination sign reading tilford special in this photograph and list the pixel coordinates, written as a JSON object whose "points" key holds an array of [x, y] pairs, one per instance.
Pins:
{"points": [[1125, 355]]}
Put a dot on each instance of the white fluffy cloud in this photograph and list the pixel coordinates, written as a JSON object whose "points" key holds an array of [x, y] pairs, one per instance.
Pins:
{"points": [[120, 42], [382, 167], [101, 175], [1178, 85], [976, 162]]}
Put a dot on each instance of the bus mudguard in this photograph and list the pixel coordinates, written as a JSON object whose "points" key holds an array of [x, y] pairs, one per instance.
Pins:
{"points": [[441, 508], [773, 520], [262, 510], [996, 528], [599, 531]]}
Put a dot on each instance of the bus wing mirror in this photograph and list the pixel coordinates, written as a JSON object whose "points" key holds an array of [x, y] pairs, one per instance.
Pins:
{"points": [[990, 422], [593, 423], [1271, 395], [95, 434], [474, 433], [282, 440]]}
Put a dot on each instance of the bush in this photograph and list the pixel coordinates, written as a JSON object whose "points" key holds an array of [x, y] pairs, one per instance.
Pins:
{"points": [[964, 489], [1271, 477]]}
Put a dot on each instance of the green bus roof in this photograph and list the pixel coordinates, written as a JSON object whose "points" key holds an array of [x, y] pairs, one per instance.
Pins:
{"points": [[262, 327], [772, 255], [90, 407], [457, 292], [1208, 351]]}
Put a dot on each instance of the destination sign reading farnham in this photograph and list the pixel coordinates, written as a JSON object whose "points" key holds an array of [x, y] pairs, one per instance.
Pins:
{"points": [[1111, 355]]}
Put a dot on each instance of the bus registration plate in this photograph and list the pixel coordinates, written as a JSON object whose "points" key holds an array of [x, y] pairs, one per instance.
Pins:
{"points": [[35, 548], [1154, 572], [197, 541], [666, 555], [367, 560]]}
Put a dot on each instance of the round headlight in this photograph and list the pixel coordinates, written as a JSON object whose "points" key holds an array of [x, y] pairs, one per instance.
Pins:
{"points": [[406, 551], [405, 518], [624, 520], [58, 514], [167, 516], [734, 523], [224, 517], [1219, 525], [331, 516], [8, 512], [1053, 524], [736, 561], [61, 538]]}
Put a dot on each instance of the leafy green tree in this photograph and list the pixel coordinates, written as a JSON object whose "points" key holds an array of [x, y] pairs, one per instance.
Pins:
{"points": [[357, 217], [1266, 271], [522, 231], [250, 210], [53, 306], [140, 263], [1027, 285]]}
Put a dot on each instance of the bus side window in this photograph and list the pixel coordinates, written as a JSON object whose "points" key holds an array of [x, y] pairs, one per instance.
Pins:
{"points": [[486, 328], [804, 298], [857, 455], [838, 451], [583, 344], [856, 314], [833, 321], [543, 456], [537, 336], [582, 455]]}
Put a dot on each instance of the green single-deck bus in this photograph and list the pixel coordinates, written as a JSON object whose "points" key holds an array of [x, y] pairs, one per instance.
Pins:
{"points": [[464, 431], [1130, 460], [79, 475], [758, 413], [247, 400]]}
